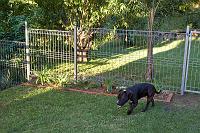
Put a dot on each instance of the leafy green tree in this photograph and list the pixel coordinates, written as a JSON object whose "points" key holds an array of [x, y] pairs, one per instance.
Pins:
{"points": [[13, 14], [151, 8], [123, 13], [86, 13], [50, 14], [4, 14]]}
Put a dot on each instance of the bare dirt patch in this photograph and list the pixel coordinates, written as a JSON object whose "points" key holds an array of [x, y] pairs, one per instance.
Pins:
{"points": [[179, 102], [188, 100]]}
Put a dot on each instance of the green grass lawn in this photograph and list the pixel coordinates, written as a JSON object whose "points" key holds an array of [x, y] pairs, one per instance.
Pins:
{"points": [[25, 109]]}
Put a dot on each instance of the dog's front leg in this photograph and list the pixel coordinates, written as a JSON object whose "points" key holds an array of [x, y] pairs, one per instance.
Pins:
{"points": [[132, 106]]}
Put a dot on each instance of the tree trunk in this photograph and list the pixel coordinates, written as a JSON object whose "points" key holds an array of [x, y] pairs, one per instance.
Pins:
{"points": [[150, 69], [84, 45]]}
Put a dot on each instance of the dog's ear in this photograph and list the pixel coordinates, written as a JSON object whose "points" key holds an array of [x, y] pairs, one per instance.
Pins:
{"points": [[121, 90]]}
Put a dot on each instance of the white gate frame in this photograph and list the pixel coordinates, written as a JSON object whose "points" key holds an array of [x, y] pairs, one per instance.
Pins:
{"points": [[185, 61], [188, 43], [28, 66]]}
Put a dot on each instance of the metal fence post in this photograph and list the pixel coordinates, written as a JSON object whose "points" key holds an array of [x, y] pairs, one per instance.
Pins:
{"points": [[188, 59], [75, 53], [27, 52], [185, 62]]}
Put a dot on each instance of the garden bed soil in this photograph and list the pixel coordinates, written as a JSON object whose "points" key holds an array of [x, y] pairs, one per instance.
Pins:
{"points": [[39, 85], [164, 96]]}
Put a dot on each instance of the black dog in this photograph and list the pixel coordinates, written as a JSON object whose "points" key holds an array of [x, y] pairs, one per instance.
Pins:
{"points": [[136, 92]]}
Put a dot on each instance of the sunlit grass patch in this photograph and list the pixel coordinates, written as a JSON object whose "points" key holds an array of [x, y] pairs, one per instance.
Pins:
{"points": [[107, 64]]}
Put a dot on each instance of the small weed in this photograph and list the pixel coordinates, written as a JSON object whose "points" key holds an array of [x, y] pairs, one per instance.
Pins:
{"points": [[109, 84]]}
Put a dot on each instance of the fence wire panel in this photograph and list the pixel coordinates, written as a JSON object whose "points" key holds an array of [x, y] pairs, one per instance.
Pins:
{"points": [[12, 63], [121, 55], [51, 52], [168, 55], [193, 79]]}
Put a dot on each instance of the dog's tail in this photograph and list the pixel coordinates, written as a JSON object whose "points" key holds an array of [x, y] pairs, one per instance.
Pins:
{"points": [[158, 92]]}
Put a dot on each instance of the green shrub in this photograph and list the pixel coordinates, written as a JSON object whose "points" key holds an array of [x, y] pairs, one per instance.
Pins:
{"points": [[60, 79]]}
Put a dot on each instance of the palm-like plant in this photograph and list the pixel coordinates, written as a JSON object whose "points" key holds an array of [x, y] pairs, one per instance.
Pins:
{"points": [[43, 76]]}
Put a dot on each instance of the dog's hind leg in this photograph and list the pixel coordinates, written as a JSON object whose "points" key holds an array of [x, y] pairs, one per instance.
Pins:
{"points": [[152, 102], [149, 99]]}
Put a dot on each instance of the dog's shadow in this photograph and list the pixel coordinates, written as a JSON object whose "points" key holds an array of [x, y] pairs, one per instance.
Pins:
{"points": [[136, 111]]}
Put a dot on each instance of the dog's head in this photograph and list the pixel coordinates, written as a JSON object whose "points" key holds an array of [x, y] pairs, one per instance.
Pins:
{"points": [[122, 97]]}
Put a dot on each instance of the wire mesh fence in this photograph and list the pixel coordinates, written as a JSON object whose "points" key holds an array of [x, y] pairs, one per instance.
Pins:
{"points": [[12, 63], [121, 55], [102, 54], [51, 54]]}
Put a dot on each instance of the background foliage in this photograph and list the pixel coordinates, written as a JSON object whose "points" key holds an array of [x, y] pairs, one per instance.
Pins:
{"points": [[63, 14]]}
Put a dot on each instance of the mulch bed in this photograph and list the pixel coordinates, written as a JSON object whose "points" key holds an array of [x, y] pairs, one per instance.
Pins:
{"points": [[164, 96]]}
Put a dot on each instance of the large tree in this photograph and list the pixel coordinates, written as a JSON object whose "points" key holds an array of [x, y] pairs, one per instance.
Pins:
{"points": [[86, 13], [151, 7]]}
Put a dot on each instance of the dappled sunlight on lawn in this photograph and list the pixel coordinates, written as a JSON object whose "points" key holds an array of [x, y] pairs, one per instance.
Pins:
{"points": [[167, 47], [109, 64], [123, 59], [19, 93], [36, 92]]}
